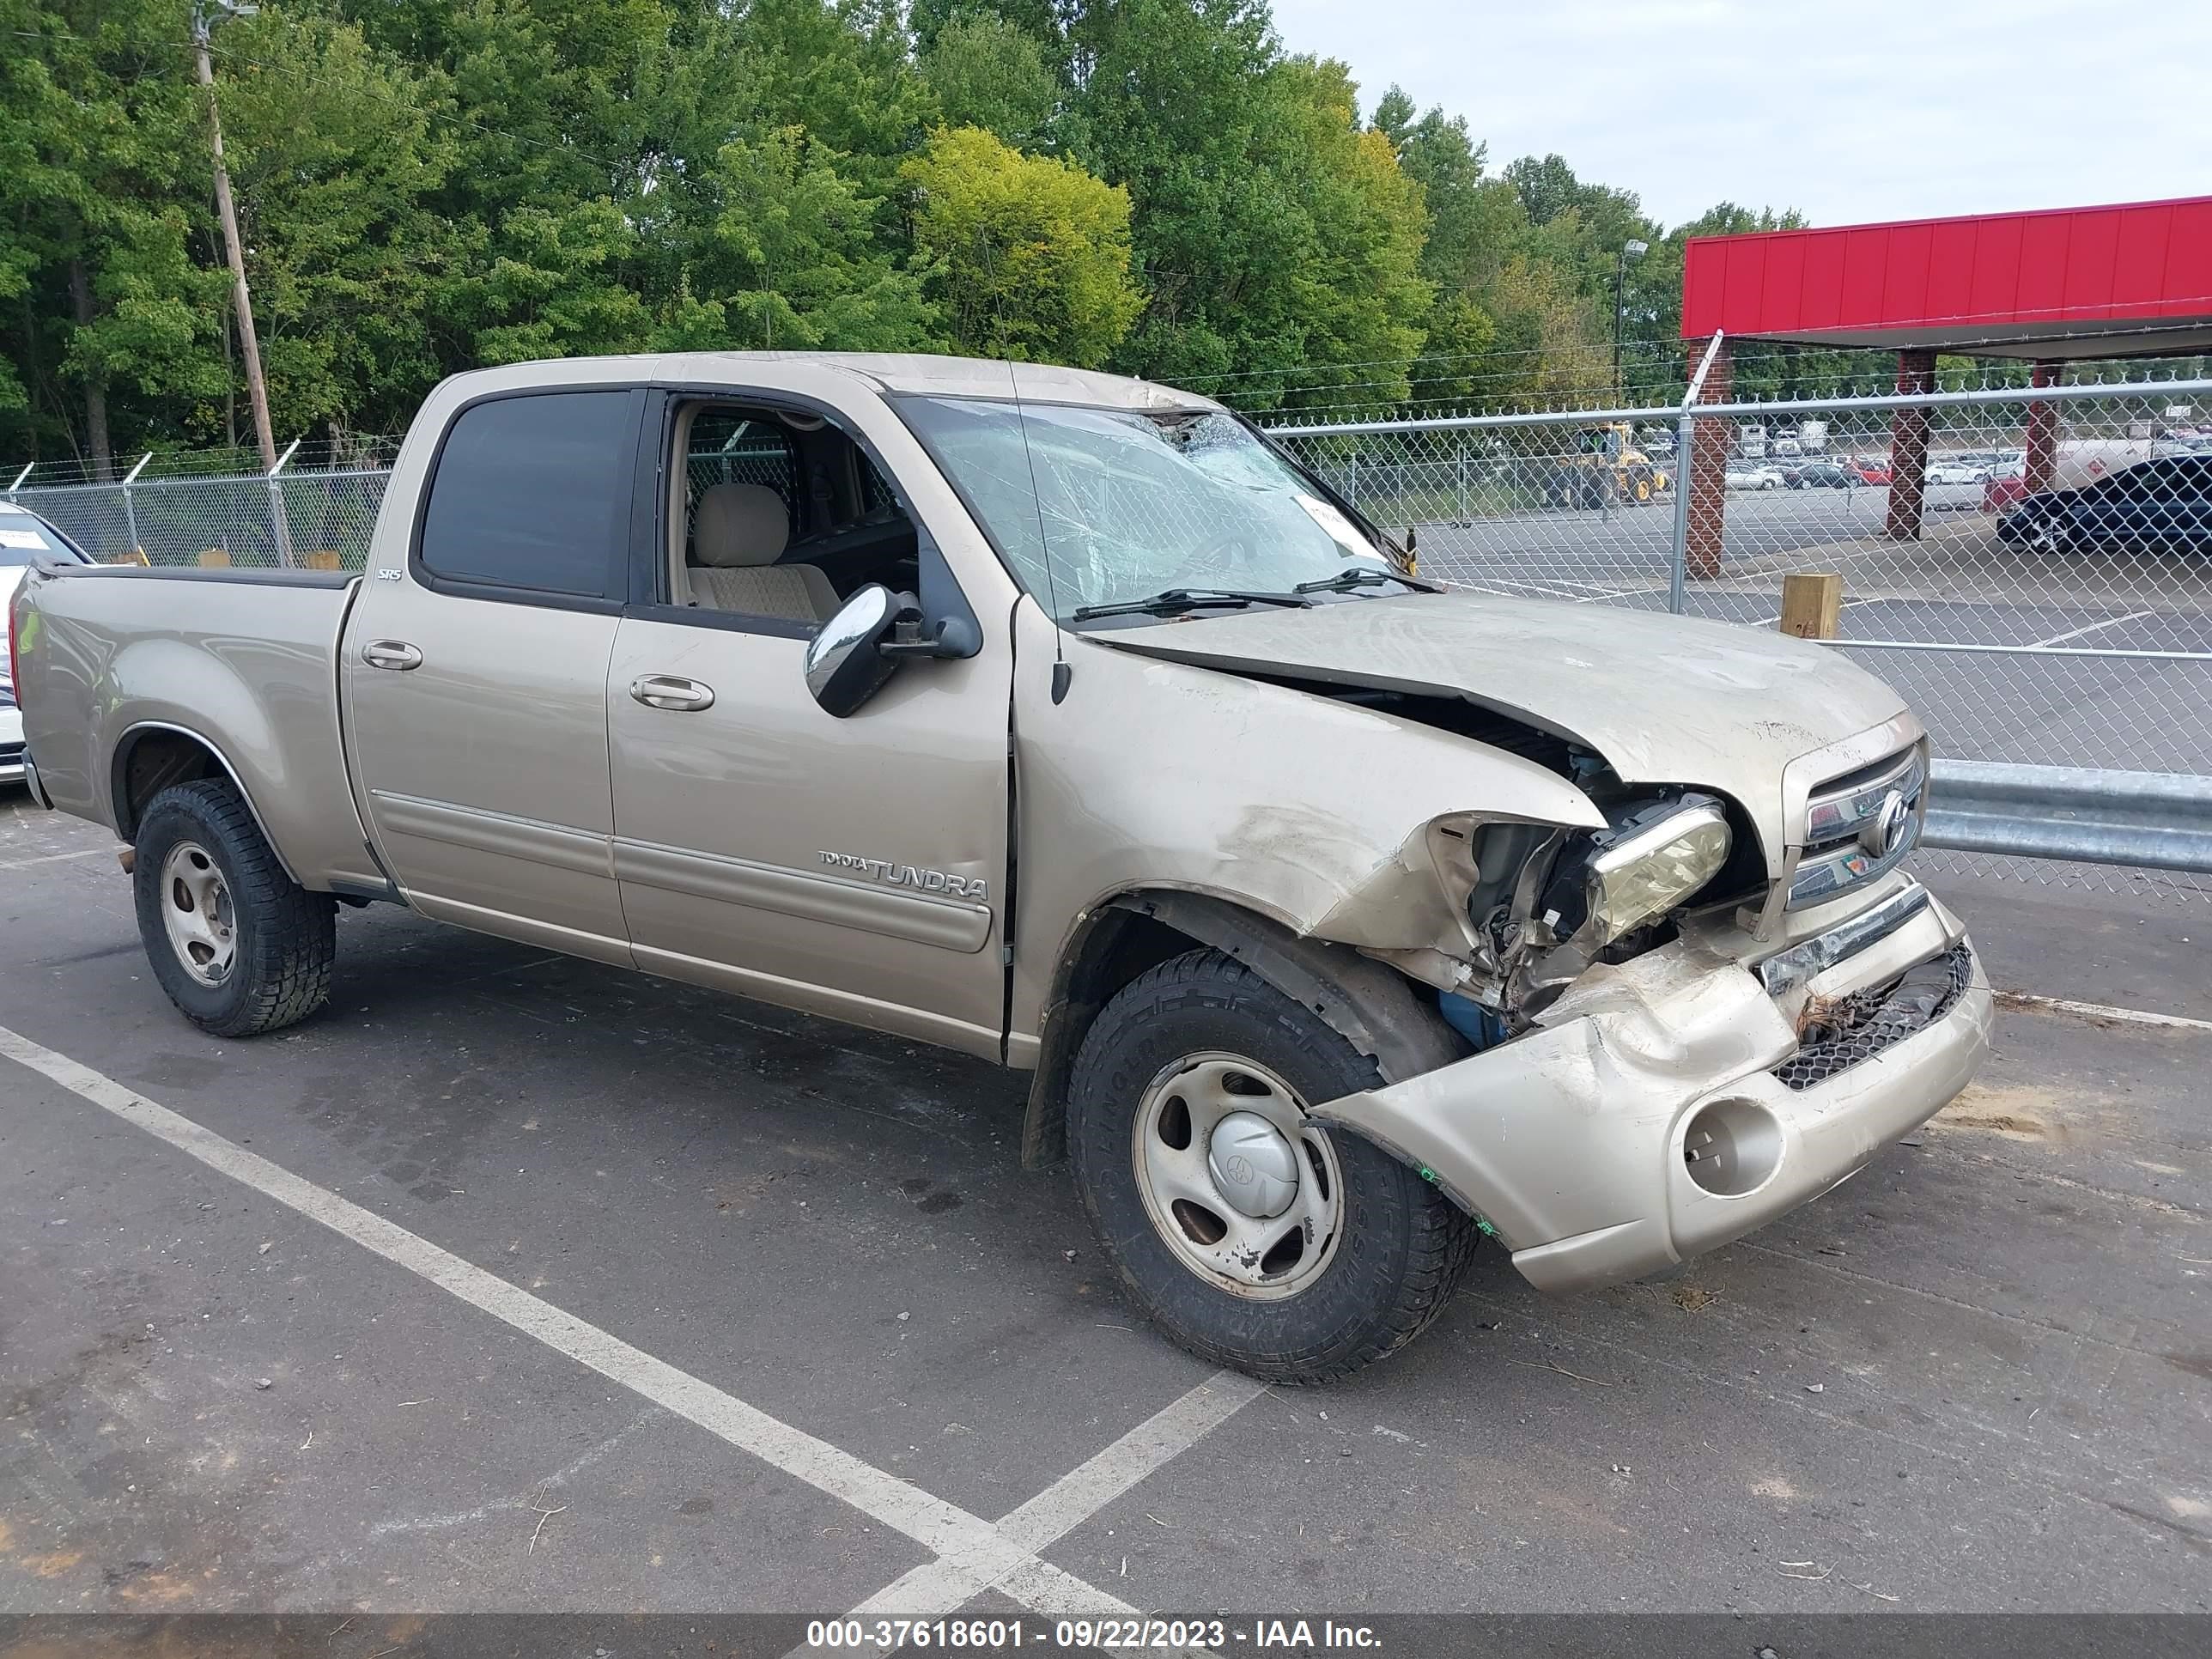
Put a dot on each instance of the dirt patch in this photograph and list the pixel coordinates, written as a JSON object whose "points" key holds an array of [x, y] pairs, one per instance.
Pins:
{"points": [[2004, 1122], [1690, 1299], [2031, 1114]]}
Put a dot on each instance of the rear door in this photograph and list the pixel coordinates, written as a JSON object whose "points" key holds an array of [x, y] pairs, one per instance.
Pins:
{"points": [[476, 671]]}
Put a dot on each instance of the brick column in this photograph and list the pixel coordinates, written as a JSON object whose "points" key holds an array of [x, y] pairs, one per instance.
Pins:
{"points": [[2042, 463], [1704, 470], [1908, 447]]}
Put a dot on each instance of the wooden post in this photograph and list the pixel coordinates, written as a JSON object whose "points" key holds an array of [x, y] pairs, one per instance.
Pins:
{"points": [[323, 560], [1811, 604], [215, 558]]}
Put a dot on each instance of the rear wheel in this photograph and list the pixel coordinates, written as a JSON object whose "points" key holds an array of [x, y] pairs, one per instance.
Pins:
{"points": [[1253, 1234], [239, 945]]}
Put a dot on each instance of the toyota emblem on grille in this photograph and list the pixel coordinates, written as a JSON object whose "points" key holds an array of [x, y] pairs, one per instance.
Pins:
{"points": [[1887, 828]]}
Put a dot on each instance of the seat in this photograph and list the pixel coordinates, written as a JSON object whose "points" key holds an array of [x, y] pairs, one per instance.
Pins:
{"points": [[738, 531]]}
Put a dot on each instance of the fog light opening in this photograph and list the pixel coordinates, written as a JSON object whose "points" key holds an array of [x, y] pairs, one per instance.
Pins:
{"points": [[1731, 1147]]}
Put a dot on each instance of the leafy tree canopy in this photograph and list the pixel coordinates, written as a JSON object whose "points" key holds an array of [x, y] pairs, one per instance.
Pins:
{"points": [[428, 185]]}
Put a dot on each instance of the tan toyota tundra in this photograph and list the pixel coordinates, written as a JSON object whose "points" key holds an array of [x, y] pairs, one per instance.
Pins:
{"points": [[1065, 721]]}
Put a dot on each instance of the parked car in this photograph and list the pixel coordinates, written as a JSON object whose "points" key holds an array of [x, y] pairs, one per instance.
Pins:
{"points": [[1951, 471], [2077, 464], [1745, 475], [2162, 506], [1061, 719], [1823, 475], [1871, 469], [24, 536]]}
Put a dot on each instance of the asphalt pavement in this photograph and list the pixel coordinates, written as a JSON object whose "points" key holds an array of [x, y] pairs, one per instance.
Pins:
{"points": [[514, 1282]]}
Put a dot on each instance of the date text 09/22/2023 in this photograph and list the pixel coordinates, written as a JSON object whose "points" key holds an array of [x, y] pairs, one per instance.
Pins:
{"points": [[990, 1635]]}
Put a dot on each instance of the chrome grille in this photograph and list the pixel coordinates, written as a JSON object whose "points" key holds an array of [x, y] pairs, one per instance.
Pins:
{"points": [[1860, 826]]}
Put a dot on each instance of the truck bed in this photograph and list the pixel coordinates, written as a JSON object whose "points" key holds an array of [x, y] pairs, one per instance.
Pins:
{"points": [[116, 661]]}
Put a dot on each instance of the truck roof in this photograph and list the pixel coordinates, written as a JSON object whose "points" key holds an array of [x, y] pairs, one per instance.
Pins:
{"points": [[926, 373]]}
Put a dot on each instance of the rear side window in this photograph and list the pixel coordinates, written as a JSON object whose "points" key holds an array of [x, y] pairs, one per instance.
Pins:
{"points": [[533, 492]]}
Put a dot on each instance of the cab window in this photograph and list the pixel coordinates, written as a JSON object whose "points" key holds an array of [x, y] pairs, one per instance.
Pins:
{"points": [[532, 493], [777, 516]]}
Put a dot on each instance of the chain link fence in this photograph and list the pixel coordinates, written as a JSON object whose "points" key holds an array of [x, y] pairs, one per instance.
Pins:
{"points": [[2081, 639]]}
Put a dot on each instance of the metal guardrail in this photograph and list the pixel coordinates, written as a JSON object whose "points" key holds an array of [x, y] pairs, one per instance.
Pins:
{"points": [[2147, 820]]}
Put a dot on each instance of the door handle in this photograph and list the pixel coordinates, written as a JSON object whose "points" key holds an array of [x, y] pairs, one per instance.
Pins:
{"points": [[391, 654], [671, 691]]}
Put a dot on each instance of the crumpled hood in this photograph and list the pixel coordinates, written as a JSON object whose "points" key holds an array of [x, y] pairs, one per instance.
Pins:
{"points": [[1664, 699]]}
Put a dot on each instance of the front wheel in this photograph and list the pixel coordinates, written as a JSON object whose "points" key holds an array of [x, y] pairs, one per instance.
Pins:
{"points": [[1255, 1237], [239, 945]]}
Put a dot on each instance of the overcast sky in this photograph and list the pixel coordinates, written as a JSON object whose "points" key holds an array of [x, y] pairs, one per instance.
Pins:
{"points": [[1847, 110]]}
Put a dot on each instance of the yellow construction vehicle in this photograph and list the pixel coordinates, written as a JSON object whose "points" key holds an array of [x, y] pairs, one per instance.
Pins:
{"points": [[1606, 466]]}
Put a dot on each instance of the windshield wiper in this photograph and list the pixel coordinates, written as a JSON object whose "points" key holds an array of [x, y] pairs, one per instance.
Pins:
{"points": [[1172, 601], [1360, 575]]}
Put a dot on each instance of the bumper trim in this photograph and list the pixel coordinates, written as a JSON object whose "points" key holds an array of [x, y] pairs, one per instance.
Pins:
{"points": [[30, 776], [1784, 972]]}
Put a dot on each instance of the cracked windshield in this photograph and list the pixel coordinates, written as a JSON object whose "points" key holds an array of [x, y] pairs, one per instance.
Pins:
{"points": [[1102, 507]]}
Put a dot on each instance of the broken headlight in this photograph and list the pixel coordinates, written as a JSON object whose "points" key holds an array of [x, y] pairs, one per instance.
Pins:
{"points": [[1650, 860]]}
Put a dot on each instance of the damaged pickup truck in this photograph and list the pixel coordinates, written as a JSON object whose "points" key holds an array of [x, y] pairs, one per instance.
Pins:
{"points": [[1064, 720]]}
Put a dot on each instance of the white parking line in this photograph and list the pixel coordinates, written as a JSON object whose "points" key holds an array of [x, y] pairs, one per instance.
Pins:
{"points": [[1769, 622], [938, 1587], [2076, 633], [971, 1554], [57, 858], [2028, 1002]]}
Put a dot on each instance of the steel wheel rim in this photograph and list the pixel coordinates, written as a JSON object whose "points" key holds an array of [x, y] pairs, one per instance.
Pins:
{"points": [[198, 914], [1264, 1257]]}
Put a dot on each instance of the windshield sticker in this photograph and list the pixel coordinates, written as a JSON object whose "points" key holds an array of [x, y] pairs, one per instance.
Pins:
{"points": [[22, 538], [1336, 522]]}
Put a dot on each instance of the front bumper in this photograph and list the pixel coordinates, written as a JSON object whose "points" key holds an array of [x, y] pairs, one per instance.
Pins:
{"points": [[1643, 1121]]}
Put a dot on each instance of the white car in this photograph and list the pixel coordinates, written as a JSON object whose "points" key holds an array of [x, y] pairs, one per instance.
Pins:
{"points": [[24, 536], [1954, 472], [1744, 476]]}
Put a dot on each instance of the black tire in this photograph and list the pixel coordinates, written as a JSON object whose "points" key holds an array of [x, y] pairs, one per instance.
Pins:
{"points": [[285, 936], [1401, 1247]]}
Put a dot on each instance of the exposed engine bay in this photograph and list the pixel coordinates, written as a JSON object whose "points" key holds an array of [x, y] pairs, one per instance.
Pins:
{"points": [[1544, 904]]}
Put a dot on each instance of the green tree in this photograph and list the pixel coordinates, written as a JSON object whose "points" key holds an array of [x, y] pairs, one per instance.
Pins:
{"points": [[988, 71], [112, 308], [333, 150], [1359, 293], [794, 262], [1032, 253]]}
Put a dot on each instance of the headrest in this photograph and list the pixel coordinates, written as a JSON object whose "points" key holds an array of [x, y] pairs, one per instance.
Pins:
{"points": [[737, 524]]}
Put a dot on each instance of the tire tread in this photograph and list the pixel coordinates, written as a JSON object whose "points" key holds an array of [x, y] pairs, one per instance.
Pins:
{"points": [[1440, 1242], [292, 939]]}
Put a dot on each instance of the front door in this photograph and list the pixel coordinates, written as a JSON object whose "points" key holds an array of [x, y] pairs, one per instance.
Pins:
{"points": [[476, 673], [854, 868]]}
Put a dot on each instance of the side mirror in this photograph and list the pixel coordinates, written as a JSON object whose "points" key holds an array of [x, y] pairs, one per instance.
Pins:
{"points": [[845, 665]]}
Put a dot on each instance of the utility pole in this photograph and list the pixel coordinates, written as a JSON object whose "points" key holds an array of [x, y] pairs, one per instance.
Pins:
{"points": [[1631, 249], [257, 389]]}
